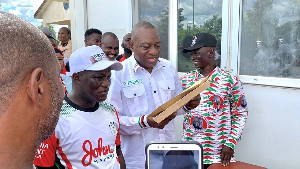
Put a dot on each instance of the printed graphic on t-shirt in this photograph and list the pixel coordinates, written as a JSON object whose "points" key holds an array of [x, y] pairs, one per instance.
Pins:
{"points": [[42, 148], [113, 128], [97, 154], [242, 102], [217, 102], [199, 123]]}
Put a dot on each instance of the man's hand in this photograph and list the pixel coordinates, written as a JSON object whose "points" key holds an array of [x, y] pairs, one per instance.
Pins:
{"points": [[226, 154], [194, 102], [162, 124]]}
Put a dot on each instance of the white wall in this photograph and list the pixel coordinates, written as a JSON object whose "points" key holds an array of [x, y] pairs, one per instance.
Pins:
{"points": [[78, 22], [113, 16], [110, 16], [271, 137]]}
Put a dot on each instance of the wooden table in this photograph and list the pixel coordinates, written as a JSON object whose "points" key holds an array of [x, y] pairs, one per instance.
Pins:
{"points": [[236, 165]]}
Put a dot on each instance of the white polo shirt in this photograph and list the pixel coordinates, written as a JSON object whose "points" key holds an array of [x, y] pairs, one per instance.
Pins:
{"points": [[135, 92]]}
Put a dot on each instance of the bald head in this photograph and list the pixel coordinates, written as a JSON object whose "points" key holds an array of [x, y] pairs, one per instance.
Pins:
{"points": [[110, 45], [138, 26], [126, 38], [109, 34], [23, 48]]}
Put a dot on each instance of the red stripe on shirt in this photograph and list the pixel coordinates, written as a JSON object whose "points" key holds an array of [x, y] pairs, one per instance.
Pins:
{"points": [[64, 157]]}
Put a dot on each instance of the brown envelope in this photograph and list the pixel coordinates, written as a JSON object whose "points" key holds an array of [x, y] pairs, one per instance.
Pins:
{"points": [[180, 100]]}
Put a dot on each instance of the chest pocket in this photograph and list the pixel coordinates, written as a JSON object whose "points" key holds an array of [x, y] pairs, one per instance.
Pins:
{"points": [[136, 99], [166, 88]]}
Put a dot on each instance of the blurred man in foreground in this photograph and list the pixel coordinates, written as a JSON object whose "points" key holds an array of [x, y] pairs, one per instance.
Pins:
{"points": [[31, 91]]}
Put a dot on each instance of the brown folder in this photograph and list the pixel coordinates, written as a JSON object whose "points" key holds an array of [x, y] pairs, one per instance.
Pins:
{"points": [[180, 100]]}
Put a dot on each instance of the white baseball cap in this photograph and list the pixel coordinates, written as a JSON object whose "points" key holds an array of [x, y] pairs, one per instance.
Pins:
{"points": [[90, 58]]}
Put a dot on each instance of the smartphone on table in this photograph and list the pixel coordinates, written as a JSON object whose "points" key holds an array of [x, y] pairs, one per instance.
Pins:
{"points": [[174, 155]]}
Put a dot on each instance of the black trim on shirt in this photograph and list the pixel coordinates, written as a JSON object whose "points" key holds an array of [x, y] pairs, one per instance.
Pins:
{"points": [[81, 108], [118, 58]]}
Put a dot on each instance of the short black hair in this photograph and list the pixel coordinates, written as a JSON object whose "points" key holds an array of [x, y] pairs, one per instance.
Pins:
{"points": [[91, 31]]}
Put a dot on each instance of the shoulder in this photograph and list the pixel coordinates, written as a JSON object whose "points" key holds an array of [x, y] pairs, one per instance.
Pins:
{"points": [[107, 107], [127, 64], [66, 110], [164, 62], [166, 65], [226, 76], [189, 75], [70, 43]]}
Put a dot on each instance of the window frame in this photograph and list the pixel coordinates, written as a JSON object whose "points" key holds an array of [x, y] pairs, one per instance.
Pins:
{"points": [[230, 43], [256, 80]]}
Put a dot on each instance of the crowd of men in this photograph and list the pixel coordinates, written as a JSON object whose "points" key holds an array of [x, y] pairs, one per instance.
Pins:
{"points": [[103, 120]]}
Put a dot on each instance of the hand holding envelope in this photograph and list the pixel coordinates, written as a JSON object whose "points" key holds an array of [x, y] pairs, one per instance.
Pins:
{"points": [[190, 97], [191, 104]]}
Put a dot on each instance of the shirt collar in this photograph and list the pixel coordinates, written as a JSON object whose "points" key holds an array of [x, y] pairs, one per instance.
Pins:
{"points": [[135, 65], [200, 76]]}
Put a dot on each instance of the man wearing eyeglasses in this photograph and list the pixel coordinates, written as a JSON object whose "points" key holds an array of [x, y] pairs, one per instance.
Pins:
{"points": [[220, 106]]}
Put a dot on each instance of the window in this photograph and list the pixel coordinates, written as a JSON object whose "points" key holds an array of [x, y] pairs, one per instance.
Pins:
{"points": [[197, 16], [270, 38], [157, 13]]}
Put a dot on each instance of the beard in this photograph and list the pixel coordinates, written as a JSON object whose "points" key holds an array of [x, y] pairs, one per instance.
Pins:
{"points": [[127, 50], [47, 123]]}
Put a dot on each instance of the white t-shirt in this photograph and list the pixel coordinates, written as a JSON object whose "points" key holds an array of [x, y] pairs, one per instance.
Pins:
{"points": [[86, 137]]}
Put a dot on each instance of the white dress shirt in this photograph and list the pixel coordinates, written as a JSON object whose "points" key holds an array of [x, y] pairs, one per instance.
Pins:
{"points": [[135, 92]]}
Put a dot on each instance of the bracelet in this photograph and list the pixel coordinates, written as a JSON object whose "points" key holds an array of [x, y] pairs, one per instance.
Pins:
{"points": [[145, 121]]}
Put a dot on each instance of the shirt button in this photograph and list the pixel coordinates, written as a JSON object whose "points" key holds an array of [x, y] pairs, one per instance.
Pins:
{"points": [[134, 94], [154, 91]]}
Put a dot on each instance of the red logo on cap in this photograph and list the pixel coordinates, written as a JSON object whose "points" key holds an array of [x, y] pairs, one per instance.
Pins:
{"points": [[194, 40], [92, 59]]}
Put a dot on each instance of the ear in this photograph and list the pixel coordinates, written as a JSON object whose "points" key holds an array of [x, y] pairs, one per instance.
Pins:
{"points": [[76, 78], [131, 45], [211, 52], [122, 45], [36, 86]]}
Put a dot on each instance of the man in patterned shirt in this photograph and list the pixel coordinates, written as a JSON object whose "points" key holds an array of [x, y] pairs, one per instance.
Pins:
{"points": [[222, 109]]}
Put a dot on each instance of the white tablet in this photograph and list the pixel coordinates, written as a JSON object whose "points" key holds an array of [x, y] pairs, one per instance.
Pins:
{"points": [[174, 155]]}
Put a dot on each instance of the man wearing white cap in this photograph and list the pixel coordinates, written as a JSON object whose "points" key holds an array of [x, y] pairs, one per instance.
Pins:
{"points": [[87, 134]]}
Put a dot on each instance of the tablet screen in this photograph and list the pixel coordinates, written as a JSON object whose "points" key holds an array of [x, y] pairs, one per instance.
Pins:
{"points": [[172, 156]]}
